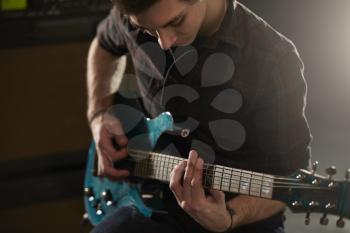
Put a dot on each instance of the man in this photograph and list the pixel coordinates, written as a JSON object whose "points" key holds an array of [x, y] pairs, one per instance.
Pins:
{"points": [[244, 92]]}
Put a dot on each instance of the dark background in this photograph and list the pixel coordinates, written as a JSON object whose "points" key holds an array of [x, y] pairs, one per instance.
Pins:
{"points": [[320, 30], [43, 127]]}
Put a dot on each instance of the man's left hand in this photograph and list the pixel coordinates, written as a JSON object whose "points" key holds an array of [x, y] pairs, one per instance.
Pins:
{"points": [[208, 210]]}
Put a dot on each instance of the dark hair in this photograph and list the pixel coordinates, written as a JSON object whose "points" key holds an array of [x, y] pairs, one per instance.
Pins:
{"points": [[133, 6]]}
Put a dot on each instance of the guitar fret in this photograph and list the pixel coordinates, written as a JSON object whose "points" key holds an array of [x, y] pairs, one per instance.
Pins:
{"points": [[256, 183], [147, 167], [159, 166], [166, 168], [205, 177], [239, 181], [155, 166], [226, 178], [170, 168], [222, 178], [245, 182], [162, 162], [234, 182], [139, 169], [162, 168], [149, 171], [267, 186], [230, 179], [158, 169], [217, 177], [210, 176]]}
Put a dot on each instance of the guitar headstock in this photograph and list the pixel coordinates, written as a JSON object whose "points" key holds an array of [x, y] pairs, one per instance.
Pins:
{"points": [[306, 191]]}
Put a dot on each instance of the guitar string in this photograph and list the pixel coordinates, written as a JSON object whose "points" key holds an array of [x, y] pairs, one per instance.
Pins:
{"points": [[206, 166], [227, 181], [251, 178], [275, 181], [210, 165], [224, 179]]}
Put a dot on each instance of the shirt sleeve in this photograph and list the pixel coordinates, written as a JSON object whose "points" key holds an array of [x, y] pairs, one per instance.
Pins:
{"points": [[283, 133], [111, 33]]}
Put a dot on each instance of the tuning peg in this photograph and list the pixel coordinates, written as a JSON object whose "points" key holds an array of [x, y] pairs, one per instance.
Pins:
{"points": [[89, 193], [315, 182], [314, 166], [331, 171], [324, 220], [307, 218], [347, 175], [341, 222], [297, 204], [107, 197], [313, 204], [330, 206]]}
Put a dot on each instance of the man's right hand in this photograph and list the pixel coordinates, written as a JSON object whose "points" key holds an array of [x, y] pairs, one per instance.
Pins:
{"points": [[107, 153]]}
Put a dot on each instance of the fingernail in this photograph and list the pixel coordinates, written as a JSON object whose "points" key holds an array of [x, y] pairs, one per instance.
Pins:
{"points": [[193, 153]]}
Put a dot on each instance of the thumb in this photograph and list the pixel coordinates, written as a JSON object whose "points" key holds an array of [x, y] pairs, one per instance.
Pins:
{"points": [[217, 196]]}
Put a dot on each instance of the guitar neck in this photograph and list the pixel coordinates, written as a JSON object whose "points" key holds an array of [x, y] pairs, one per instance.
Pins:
{"points": [[159, 166]]}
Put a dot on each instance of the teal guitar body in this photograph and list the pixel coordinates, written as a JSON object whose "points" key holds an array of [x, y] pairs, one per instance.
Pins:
{"points": [[103, 196]]}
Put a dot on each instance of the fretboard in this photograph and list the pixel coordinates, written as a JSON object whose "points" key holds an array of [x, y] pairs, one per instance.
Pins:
{"points": [[159, 166]]}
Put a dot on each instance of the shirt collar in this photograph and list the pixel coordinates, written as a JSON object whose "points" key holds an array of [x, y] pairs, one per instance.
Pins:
{"points": [[228, 31]]}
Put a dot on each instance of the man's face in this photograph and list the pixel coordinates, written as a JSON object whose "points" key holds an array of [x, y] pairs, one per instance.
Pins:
{"points": [[173, 22]]}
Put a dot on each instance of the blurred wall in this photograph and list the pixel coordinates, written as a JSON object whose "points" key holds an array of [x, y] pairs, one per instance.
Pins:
{"points": [[43, 100], [320, 30]]}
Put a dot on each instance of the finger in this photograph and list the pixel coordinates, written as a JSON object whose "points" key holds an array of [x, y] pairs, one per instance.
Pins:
{"points": [[113, 124], [175, 181], [116, 174], [106, 168], [100, 162], [192, 158], [196, 183], [121, 140], [114, 127], [106, 145]]}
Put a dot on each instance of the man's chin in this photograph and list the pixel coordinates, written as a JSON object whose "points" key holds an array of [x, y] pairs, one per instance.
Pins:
{"points": [[184, 43]]}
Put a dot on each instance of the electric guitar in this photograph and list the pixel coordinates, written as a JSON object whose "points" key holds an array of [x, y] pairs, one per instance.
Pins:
{"points": [[303, 191]]}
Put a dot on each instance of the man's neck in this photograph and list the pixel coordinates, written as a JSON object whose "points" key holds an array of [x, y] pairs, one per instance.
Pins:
{"points": [[215, 14]]}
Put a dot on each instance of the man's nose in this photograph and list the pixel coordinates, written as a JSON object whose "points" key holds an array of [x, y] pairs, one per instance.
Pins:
{"points": [[166, 38]]}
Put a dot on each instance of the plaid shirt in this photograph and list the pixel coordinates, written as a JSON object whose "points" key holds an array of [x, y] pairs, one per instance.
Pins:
{"points": [[251, 62]]}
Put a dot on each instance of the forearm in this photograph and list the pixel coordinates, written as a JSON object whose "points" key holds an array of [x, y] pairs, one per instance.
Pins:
{"points": [[252, 209], [102, 68]]}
